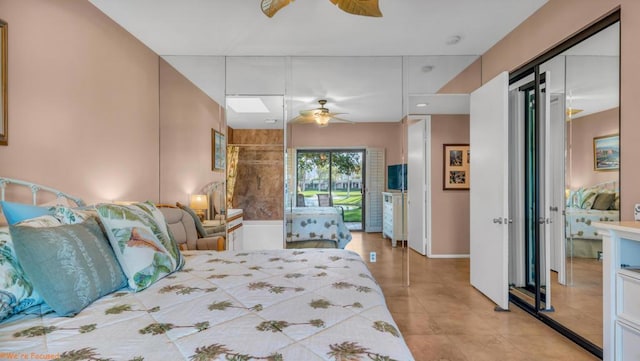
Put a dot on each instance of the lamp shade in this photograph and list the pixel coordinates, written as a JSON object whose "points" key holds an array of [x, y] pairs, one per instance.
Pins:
{"points": [[199, 202]]}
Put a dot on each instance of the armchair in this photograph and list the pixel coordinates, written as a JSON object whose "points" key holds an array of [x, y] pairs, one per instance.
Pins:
{"points": [[183, 228]]}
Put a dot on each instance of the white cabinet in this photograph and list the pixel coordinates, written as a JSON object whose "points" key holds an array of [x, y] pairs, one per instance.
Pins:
{"points": [[621, 290], [394, 217], [234, 229]]}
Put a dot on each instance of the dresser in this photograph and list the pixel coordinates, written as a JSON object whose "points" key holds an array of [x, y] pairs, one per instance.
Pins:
{"points": [[621, 290], [234, 229], [394, 217]]}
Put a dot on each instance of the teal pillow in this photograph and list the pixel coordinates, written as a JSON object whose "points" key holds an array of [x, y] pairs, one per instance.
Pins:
{"points": [[69, 265], [199, 227], [141, 241], [18, 212]]}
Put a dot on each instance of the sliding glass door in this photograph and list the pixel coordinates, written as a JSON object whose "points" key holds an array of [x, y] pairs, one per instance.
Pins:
{"points": [[332, 178]]}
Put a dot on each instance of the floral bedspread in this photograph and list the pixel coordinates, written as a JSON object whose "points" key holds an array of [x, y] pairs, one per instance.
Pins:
{"points": [[266, 305], [317, 223], [578, 221]]}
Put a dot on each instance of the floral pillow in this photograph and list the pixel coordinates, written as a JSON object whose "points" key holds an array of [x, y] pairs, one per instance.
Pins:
{"points": [[16, 291], [144, 247]]}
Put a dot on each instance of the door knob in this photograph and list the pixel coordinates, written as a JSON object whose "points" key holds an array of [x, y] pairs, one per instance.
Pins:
{"points": [[497, 220]]}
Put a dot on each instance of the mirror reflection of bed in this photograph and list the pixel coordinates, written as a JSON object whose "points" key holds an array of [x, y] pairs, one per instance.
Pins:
{"points": [[316, 227]]}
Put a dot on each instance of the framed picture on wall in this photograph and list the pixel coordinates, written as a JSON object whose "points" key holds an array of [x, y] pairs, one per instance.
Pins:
{"points": [[606, 152], [455, 170], [218, 151]]}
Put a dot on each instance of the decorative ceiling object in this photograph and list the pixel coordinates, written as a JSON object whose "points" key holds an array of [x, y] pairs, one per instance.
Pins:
{"points": [[356, 7], [321, 116]]}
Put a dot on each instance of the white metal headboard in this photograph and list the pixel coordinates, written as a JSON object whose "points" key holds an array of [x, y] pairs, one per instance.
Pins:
{"points": [[610, 185], [35, 188]]}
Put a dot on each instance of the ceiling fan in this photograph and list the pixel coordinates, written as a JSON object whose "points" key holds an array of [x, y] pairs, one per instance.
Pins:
{"points": [[356, 7], [321, 116]]}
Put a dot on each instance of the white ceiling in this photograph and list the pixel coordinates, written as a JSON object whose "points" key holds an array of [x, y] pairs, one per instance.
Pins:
{"points": [[319, 52], [588, 73]]}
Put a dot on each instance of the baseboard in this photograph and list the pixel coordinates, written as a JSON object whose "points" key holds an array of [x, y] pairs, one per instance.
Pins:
{"points": [[448, 256]]}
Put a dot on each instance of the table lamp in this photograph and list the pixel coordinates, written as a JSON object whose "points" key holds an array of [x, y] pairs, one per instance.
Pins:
{"points": [[199, 203]]}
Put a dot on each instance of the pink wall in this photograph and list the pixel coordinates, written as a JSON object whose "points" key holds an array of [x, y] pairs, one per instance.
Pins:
{"points": [[449, 209], [584, 129], [365, 135], [187, 116], [468, 80], [83, 102]]}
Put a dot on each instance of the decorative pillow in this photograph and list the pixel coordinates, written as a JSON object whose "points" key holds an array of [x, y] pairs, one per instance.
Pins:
{"points": [[16, 291], [616, 202], [603, 201], [17, 212], [199, 227], [67, 215], [69, 265], [40, 222], [144, 248], [157, 216], [583, 198]]}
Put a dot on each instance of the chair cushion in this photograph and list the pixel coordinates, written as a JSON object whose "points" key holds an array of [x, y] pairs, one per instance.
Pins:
{"points": [[199, 227], [181, 225]]}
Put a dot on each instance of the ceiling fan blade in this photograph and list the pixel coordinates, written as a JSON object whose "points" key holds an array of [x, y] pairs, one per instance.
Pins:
{"points": [[309, 112], [302, 120], [342, 120], [271, 7], [359, 7]]}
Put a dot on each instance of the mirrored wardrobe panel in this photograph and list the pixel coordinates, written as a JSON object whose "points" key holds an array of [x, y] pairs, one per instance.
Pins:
{"points": [[565, 166]]}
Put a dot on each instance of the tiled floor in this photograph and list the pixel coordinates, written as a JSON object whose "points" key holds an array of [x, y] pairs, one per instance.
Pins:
{"points": [[579, 306], [443, 318]]}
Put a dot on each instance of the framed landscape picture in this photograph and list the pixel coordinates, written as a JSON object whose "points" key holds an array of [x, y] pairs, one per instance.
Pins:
{"points": [[218, 151], [456, 167], [606, 152]]}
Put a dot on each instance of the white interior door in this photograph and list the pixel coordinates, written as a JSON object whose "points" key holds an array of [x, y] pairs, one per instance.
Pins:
{"points": [[489, 223], [416, 166]]}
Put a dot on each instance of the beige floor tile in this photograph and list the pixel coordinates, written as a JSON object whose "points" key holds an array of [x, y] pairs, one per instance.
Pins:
{"points": [[443, 318]]}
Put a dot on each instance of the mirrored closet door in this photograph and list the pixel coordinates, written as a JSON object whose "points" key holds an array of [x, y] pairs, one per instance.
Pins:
{"points": [[564, 116]]}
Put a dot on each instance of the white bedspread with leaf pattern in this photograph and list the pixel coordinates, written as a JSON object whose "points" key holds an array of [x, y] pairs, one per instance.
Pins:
{"points": [[267, 305]]}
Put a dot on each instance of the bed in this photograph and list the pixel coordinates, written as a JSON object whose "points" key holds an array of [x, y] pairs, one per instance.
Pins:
{"points": [[260, 305], [316, 226], [597, 203]]}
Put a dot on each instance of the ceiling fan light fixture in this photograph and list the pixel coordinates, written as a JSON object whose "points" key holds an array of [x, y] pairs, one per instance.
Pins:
{"points": [[322, 120]]}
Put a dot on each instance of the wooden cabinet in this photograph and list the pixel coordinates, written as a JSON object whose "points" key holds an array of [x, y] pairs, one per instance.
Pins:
{"points": [[394, 217], [234, 229], [621, 290]]}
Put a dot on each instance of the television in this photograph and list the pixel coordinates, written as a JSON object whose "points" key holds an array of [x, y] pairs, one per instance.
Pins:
{"points": [[397, 177]]}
